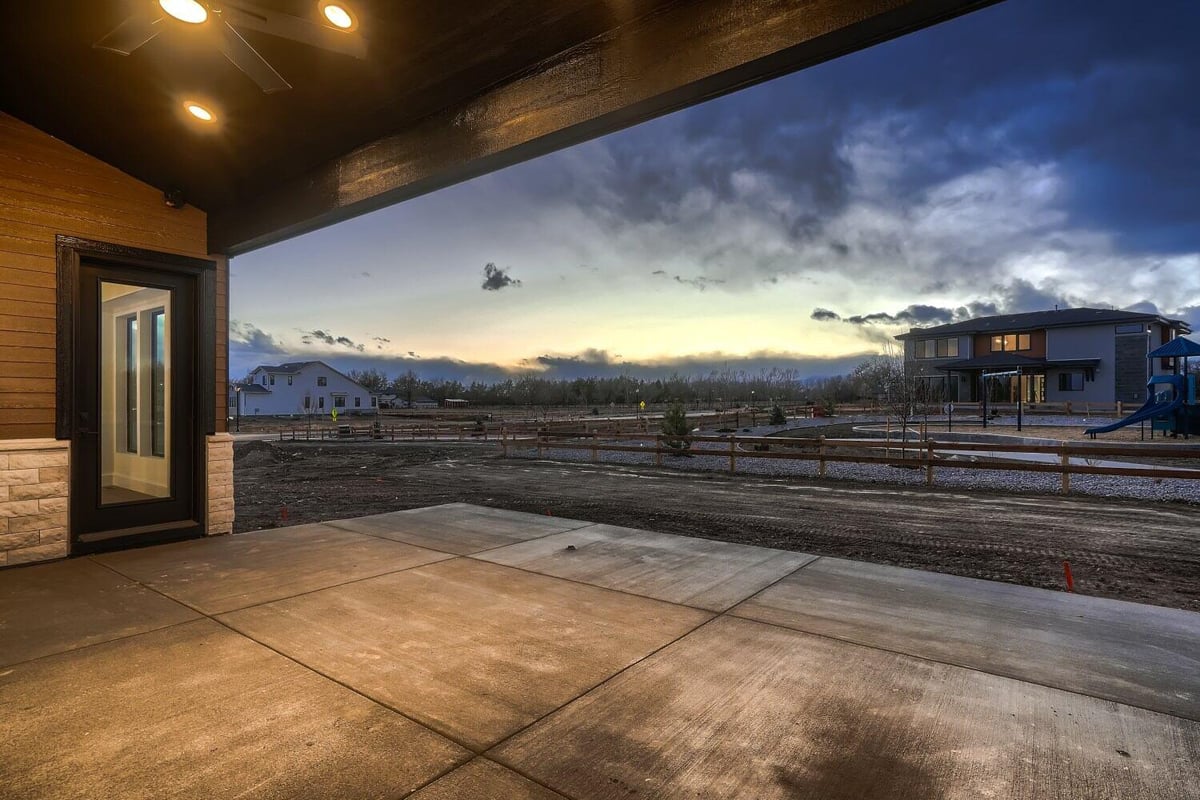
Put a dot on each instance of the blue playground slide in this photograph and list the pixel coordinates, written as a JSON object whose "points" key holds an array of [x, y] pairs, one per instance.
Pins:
{"points": [[1151, 409]]}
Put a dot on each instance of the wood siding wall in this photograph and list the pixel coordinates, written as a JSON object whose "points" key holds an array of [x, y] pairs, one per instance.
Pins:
{"points": [[49, 188]]}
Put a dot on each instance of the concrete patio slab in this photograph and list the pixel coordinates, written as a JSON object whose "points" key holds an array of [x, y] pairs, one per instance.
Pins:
{"points": [[740, 709], [38, 618], [459, 528], [473, 650], [1141, 655], [484, 779], [228, 572], [196, 711], [679, 569]]}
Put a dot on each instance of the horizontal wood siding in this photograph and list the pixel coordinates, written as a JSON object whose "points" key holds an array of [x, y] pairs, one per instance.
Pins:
{"points": [[49, 188]]}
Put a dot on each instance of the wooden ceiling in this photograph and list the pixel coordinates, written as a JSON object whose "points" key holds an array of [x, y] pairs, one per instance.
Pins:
{"points": [[276, 164]]}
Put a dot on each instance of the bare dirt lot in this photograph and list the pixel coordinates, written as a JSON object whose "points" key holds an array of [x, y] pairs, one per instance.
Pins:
{"points": [[1122, 549]]}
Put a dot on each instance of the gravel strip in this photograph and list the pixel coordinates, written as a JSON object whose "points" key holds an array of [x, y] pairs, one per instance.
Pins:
{"points": [[1160, 489]]}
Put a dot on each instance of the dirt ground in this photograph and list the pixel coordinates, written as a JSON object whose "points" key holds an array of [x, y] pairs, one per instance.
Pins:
{"points": [[1129, 550]]}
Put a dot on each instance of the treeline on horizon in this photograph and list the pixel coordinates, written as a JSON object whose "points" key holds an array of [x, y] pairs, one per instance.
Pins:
{"points": [[716, 388]]}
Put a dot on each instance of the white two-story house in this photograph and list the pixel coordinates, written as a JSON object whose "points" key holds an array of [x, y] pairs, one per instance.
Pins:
{"points": [[299, 388]]}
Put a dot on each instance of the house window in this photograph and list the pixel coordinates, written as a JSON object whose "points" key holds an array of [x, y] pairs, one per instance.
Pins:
{"points": [[272, 380], [264, 380], [1131, 327], [1011, 342], [321, 401], [289, 380], [1070, 381], [158, 382], [358, 402], [322, 381], [374, 402], [307, 402], [339, 401], [937, 348], [131, 383]]}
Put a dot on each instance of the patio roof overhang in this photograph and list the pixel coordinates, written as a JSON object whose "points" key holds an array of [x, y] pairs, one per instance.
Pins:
{"points": [[448, 91]]}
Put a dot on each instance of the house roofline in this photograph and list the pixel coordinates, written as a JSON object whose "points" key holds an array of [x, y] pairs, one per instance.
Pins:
{"points": [[967, 329]]}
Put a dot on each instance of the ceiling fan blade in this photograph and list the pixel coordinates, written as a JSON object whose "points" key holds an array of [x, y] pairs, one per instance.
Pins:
{"points": [[131, 34], [298, 29], [247, 59]]}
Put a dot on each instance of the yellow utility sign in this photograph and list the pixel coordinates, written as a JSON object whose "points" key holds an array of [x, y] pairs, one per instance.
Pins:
{"points": [[642, 405], [333, 414]]}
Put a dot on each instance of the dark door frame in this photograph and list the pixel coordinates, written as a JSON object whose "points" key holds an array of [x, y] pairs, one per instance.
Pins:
{"points": [[70, 251]]}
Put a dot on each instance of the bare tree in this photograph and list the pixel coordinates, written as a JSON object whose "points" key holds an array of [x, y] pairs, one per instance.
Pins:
{"points": [[898, 391]]}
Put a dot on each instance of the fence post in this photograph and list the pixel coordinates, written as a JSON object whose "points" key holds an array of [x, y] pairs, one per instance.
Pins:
{"points": [[658, 450], [538, 434], [928, 462], [595, 452], [732, 456], [503, 444], [1066, 469], [821, 456]]}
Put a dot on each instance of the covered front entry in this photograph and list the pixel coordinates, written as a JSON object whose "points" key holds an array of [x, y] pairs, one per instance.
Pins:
{"points": [[133, 375]]}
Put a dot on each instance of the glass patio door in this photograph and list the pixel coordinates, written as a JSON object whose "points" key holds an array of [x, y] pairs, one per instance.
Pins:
{"points": [[135, 441]]}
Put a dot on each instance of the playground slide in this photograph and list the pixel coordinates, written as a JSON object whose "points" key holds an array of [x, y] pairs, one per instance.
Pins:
{"points": [[1148, 411]]}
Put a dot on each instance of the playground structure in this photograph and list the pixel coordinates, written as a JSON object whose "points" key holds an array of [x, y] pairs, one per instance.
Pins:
{"points": [[1174, 411]]}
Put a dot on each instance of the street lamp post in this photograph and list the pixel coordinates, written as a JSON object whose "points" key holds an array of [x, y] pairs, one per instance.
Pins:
{"points": [[753, 410], [237, 401]]}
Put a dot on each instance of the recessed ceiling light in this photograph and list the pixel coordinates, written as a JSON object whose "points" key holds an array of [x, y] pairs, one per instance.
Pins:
{"points": [[185, 10], [338, 16], [200, 112]]}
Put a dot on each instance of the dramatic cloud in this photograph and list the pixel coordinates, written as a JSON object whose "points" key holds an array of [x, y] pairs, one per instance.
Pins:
{"points": [[311, 337], [250, 339], [600, 363], [973, 166], [495, 279], [1027, 155]]}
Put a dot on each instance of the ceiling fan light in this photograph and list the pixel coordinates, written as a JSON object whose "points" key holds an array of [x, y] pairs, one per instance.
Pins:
{"points": [[339, 16], [185, 10], [200, 112]]}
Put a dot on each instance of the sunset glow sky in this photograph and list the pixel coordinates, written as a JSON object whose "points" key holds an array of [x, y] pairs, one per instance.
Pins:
{"points": [[1028, 154]]}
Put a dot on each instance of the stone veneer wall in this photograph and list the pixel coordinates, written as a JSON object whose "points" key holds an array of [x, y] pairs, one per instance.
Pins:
{"points": [[220, 484], [34, 480], [34, 496]]}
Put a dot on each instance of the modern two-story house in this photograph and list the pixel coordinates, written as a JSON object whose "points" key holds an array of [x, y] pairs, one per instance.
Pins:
{"points": [[1089, 355], [299, 388]]}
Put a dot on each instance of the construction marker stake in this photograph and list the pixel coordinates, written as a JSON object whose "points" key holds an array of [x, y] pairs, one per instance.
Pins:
{"points": [[1067, 573], [283, 513]]}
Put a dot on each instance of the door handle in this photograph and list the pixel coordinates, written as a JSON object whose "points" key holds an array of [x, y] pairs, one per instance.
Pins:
{"points": [[85, 419]]}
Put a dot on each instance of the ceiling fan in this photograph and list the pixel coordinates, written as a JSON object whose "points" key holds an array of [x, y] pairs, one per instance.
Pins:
{"points": [[221, 19]]}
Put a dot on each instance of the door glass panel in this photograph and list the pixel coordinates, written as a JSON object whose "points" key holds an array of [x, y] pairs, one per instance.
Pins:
{"points": [[135, 393]]}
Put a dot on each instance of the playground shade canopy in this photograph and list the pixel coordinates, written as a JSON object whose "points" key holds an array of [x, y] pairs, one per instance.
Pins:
{"points": [[1179, 347]]}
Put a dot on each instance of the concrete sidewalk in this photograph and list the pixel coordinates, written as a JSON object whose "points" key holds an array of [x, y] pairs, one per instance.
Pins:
{"points": [[465, 652]]}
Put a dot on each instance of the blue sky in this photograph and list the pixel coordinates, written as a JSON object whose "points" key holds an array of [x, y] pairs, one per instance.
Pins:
{"points": [[1033, 153]]}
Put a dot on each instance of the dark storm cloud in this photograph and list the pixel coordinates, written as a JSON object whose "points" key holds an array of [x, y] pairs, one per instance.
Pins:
{"points": [[318, 335], [824, 315], [249, 338], [495, 279], [594, 362], [1018, 130], [913, 315]]}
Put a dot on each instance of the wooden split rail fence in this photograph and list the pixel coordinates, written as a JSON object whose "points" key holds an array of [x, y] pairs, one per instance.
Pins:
{"points": [[927, 454]]}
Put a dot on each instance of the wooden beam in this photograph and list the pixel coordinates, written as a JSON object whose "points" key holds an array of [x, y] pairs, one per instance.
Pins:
{"points": [[684, 54]]}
